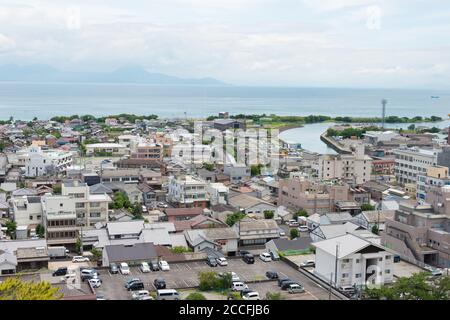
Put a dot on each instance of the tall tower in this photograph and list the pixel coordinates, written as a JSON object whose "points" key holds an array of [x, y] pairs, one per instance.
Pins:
{"points": [[383, 112]]}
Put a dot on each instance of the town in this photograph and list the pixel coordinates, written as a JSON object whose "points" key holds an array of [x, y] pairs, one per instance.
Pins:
{"points": [[137, 207]]}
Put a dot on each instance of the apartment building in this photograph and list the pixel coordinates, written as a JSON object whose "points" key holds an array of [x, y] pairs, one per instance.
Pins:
{"points": [[40, 162], [420, 234], [435, 176], [113, 149], [411, 162], [314, 197], [359, 262], [26, 210], [145, 150], [90, 208], [187, 191], [238, 172], [384, 166], [354, 168], [60, 220], [218, 193]]}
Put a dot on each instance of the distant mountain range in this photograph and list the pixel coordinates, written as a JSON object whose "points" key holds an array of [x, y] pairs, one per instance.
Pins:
{"points": [[46, 73]]}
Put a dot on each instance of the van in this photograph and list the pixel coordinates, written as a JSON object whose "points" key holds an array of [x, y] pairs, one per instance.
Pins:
{"points": [[347, 290], [249, 258], [238, 286], [167, 294], [133, 286]]}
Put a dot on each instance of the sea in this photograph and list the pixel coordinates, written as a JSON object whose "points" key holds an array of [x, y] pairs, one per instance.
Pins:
{"points": [[44, 100]]}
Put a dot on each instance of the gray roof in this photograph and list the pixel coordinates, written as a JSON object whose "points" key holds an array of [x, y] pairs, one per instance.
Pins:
{"points": [[99, 188], [12, 245], [74, 183], [297, 244], [260, 224], [136, 252], [128, 227]]}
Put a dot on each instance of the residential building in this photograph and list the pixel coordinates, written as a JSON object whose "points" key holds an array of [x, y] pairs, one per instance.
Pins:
{"points": [[90, 208], [224, 124], [435, 176], [218, 193], [120, 175], [383, 166], [358, 261], [221, 239], [187, 191], [113, 149], [251, 205], [256, 231], [40, 162], [355, 168], [237, 172], [369, 219], [314, 197], [131, 254], [419, 234], [412, 162], [26, 210], [182, 214]]}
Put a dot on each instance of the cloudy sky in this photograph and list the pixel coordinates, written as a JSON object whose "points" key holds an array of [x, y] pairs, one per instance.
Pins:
{"points": [[364, 43]]}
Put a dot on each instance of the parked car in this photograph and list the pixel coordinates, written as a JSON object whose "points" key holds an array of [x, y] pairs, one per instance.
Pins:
{"points": [[238, 286], [303, 229], [163, 265], [154, 266], [95, 282], [136, 286], [113, 268], [159, 283], [162, 205], [60, 272], [167, 294], [144, 267], [265, 256], [286, 285], [80, 259], [308, 263], [211, 261], [251, 296], [130, 281], [347, 290], [272, 274], [295, 288], [282, 233], [222, 261], [70, 277], [274, 255], [124, 268], [293, 223], [245, 291], [138, 295], [282, 280], [248, 258], [87, 274]]}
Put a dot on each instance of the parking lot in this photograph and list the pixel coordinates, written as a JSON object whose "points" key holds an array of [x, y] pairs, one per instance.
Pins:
{"points": [[185, 275]]}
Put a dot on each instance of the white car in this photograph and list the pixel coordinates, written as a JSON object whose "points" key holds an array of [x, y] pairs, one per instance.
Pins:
{"points": [[80, 259], [265, 256], [144, 267], [234, 277], [163, 265], [124, 268], [222, 261], [251, 296], [95, 282], [293, 223], [282, 233], [238, 286], [139, 295], [70, 277], [303, 229], [162, 205], [308, 263]]}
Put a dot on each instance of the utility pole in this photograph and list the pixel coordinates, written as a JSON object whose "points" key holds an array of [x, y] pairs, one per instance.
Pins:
{"points": [[336, 265], [383, 112]]}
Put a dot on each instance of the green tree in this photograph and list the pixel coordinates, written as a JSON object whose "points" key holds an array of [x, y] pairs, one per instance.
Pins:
{"points": [[57, 189], [255, 170], [96, 254], [209, 280], [11, 227], [234, 217], [40, 230], [180, 249], [78, 245], [17, 289], [300, 213], [120, 200], [294, 233], [375, 229], [208, 166], [195, 296], [412, 127], [268, 214], [367, 207]]}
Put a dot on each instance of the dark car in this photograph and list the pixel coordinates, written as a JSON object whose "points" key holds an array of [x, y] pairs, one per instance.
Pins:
{"points": [[248, 258], [60, 272], [113, 268], [159, 283], [130, 281], [154, 265], [90, 276], [243, 252], [211, 261], [285, 285], [138, 285], [271, 275], [281, 280], [245, 291]]}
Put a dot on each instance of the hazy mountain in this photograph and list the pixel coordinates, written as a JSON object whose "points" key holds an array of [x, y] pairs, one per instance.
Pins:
{"points": [[135, 74]]}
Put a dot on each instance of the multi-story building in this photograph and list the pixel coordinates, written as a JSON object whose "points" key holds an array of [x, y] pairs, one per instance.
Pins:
{"points": [[314, 197], [435, 176], [187, 191], [358, 261], [411, 162], [419, 233], [384, 166], [26, 210], [60, 220], [40, 162], [354, 168], [113, 149], [218, 193], [238, 172], [146, 150], [90, 208]]}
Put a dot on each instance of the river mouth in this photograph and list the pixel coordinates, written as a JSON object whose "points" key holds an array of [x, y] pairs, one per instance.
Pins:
{"points": [[309, 135]]}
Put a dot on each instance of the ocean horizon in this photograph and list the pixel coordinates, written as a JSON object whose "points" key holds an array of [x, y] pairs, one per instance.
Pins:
{"points": [[44, 100]]}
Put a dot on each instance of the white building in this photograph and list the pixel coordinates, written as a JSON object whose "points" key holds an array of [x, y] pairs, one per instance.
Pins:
{"points": [[355, 168], [26, 210], [359, 261], [412, 162], [115, 149], [237, 172], [187, 191], [435, 176], [90, 208], [373, 137], [218, 193], [40, 162]]}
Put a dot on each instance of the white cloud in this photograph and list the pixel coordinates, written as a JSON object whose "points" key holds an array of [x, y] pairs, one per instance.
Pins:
{"points": [[6, 44]]}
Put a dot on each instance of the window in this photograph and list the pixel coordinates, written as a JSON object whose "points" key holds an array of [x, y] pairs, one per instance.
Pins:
{"points": [[358, 275], [358, 260], [380, 259], [345, 275], [388, 271]]}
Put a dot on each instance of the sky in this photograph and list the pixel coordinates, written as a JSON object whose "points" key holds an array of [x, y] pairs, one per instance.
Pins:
{"points": [[309, 43]]}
